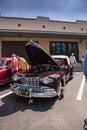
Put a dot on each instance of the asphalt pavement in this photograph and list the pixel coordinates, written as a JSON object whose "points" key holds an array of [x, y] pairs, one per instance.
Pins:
{"points": [[77, 67]]}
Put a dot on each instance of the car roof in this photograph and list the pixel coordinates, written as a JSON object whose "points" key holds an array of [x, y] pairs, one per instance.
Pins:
{"points": [[62, 56], [6, 58]]}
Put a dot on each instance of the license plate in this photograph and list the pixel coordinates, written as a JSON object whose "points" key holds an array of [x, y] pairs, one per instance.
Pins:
{"points": [[24, 93]]}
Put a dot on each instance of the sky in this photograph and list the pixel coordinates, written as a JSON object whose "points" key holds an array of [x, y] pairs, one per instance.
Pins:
{"points": [[61, 10]]}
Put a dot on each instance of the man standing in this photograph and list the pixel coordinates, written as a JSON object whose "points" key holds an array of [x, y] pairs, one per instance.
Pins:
{"points": [[72, 59], [23, 63], [14, 64], [85, 64]]}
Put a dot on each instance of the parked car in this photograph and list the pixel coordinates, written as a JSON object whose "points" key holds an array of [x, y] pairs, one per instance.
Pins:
{"points": [[5, 70], [45, 80], [64, 62]]}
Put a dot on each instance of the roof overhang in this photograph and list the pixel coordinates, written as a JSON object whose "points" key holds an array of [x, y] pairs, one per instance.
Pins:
{"points": [[42, 34]]}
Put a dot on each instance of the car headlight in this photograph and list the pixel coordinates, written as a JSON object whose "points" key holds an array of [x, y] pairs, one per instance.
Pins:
{"points": [[16, 78], [46, 80]]}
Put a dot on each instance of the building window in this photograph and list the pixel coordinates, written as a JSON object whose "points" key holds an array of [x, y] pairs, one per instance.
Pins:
{"points": [[37, 42], [19, 25], [86, 45], [64, 28], [81, 29], [43, 26], [64, 48]]}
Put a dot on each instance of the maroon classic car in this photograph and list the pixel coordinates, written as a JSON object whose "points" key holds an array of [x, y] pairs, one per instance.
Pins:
{"points": [[64, 62], [45, 80]]}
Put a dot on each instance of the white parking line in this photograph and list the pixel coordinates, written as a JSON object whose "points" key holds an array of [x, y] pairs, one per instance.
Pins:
{"points": [[4, 95], [79, 96]]}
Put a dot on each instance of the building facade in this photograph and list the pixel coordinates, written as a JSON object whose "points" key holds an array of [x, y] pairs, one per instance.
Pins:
{"points": [[56, 37]]}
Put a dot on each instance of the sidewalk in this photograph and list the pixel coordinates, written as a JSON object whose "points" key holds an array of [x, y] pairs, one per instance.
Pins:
{"points": [[77, 67]]}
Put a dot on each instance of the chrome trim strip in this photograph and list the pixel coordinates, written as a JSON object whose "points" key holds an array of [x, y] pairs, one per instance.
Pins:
{"points": [[39, 95]]}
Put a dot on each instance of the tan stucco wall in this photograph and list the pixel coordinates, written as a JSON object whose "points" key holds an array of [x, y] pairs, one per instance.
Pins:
{"points": [[36, 24], [82, 47]]}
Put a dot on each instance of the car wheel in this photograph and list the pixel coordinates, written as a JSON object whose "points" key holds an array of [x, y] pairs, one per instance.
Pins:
{"points": [[71, 75], [60, 91]]}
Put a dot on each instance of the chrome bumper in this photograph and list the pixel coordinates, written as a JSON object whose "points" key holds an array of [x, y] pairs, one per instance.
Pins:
{"points": [[31, 94]]}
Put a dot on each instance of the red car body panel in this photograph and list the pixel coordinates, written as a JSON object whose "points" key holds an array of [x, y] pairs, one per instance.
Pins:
{"points": [[5, 70]]}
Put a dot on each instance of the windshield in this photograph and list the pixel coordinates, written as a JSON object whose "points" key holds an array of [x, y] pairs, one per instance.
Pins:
{"points": [[61, 61], [2, 62]]}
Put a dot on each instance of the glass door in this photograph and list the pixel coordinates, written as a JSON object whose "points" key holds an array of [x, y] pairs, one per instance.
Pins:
{"points": [[64, 48]]}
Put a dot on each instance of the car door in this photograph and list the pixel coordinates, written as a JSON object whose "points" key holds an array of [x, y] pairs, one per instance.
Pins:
{"points": [[5, 73], [8, 72]]}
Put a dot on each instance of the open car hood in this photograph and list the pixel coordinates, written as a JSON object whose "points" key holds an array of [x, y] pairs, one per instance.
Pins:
{"points": [[37, 55]]}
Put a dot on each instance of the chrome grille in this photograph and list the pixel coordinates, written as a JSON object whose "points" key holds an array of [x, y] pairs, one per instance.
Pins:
{"points": [[33, 81], [37, 89]]}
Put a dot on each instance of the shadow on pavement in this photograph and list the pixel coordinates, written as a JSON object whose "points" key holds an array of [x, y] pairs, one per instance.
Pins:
{"points": [[4, 87], [13, 103]]}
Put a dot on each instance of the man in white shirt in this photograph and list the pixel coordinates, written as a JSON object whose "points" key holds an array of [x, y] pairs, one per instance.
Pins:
{"points": [[72, 59]]}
